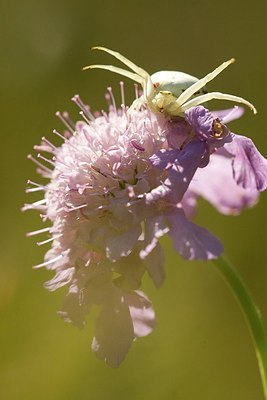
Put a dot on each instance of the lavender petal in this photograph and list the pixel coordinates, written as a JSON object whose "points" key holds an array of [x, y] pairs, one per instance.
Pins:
{"points": [[249, 166], [190, 240], [229, 115]]}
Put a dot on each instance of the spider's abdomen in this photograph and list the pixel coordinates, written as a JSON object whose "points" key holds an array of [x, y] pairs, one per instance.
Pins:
{"points": [[174, 81]]}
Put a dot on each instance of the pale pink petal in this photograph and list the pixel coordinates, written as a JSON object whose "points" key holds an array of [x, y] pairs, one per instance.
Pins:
{"points": [[114, 333], [131, 271], [154, 262], [216, 184], [155, 228], [152, 253], [62, 278], [142, 313], [121, 245], [73, 310]]}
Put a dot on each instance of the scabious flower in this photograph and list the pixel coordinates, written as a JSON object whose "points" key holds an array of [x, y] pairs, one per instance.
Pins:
{"points": [[117, 184]]}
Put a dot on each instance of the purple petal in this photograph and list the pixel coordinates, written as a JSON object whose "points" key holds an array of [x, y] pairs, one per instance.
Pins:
{"points": [[189, 202], [182, 172], [177, 133], [249, 166], [190, 240], [205, 125], [216, 184], [229, 115], [184, 165], [164, 159]]}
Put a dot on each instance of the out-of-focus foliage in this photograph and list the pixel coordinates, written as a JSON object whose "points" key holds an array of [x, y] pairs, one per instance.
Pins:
{"points": [[201, 348]]}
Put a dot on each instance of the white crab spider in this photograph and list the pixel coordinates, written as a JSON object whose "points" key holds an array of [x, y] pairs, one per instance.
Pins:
{"points": [[170, 92]]}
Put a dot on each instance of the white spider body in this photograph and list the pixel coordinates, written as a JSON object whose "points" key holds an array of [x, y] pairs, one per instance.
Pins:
{"points": [[170, 92], [173, 81], [169, 86]]}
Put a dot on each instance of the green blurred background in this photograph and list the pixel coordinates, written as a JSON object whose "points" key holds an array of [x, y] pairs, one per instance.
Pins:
{"points": [[201, 348]]}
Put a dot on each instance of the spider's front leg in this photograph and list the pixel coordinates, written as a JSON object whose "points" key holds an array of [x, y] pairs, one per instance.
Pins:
{"points": [[214, 96]]}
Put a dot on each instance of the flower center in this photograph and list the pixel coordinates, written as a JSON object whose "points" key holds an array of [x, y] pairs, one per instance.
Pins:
{"points": [[217, 128]]}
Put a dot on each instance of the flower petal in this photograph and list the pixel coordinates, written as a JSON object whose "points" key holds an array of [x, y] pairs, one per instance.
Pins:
{"points": [[154, 263], [249, 166], [73, 311], [216, 184], [190, 240], [152, 253], [142, 313], [130, 270], [114, 333], [121, 245], [229, 115], [189, 202], [183, 164], [62, 278], [177, 133], [204, 124], [154, 229]]}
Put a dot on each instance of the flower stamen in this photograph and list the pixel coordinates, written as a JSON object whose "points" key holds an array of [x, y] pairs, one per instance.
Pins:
{"points": [[43, 167], [38, 232], [85, 109], [46, 159], [113, 102], [122, 94], [64, 118], [218, 130], [44, 264]]}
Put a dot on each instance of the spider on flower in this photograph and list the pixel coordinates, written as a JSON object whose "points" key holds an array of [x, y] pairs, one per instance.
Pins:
{"points": [[170, 92]]}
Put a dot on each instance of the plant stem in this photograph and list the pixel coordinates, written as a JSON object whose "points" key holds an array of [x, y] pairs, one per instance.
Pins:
{"points": [[251, 313]]}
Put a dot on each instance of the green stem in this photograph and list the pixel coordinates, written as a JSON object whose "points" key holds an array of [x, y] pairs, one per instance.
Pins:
{"points": [[251, 313]]}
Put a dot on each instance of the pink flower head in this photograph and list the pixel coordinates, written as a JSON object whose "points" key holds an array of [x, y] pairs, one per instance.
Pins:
{"points": [[117, 184]]}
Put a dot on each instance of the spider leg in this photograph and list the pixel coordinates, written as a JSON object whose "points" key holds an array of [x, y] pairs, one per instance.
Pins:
{"points": [[140, 75], [136, 105], [117, 70], [202, 82], [214, 95], [124, 60]]}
